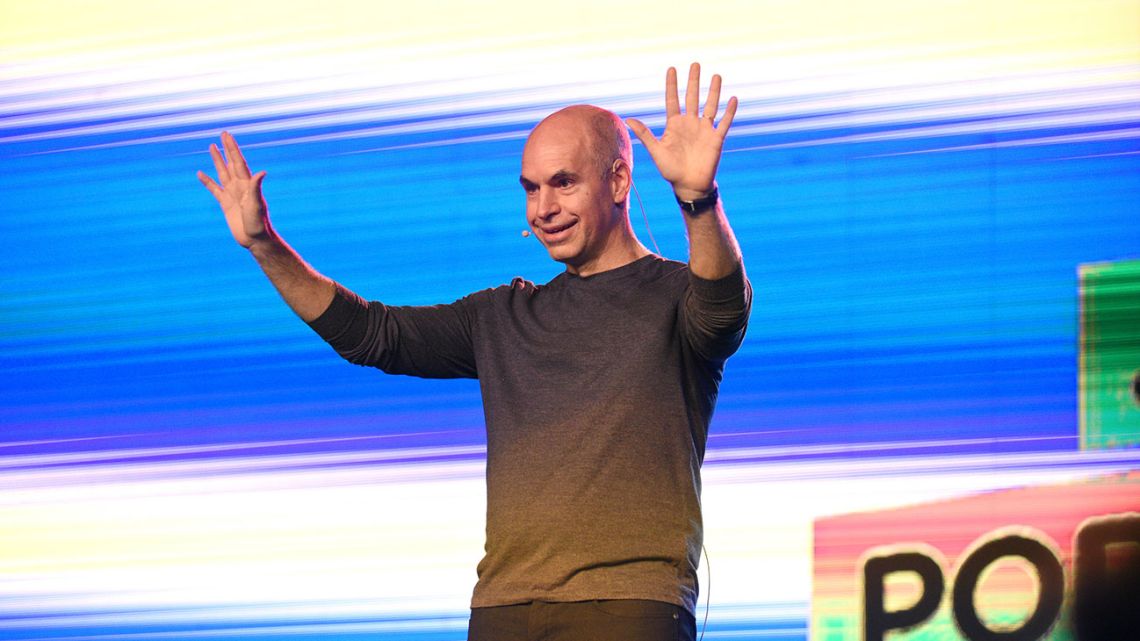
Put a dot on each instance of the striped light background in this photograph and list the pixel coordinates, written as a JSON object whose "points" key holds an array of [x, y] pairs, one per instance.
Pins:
{"points": [[913, 184]]}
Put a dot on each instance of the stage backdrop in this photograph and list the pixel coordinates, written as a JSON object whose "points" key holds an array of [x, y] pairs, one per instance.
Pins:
{"points": [[915, 187]]}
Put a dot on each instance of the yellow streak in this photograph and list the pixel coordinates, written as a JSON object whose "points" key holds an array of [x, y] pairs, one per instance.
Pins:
{"points": [[1097, 32]]}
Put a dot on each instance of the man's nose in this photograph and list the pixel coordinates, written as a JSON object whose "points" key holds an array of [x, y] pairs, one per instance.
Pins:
{"points": [[547, 202]]}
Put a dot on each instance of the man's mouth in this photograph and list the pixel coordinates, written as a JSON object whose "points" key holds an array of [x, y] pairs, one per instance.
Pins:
{"points": [[557, 232]]}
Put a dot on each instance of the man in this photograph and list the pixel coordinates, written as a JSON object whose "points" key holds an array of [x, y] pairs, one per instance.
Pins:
{"points": [[597, 387]]}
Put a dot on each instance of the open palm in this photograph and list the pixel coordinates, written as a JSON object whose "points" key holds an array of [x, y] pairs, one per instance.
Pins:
{"points": [[238, 193], [688, 152]]}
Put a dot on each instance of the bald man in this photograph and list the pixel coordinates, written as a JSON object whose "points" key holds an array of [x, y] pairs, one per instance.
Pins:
{"points": [[598, 386]]}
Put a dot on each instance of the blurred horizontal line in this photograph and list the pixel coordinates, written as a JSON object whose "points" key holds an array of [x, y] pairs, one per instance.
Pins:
{"points": [[40, 460], [1096, 136], [410, 465]]}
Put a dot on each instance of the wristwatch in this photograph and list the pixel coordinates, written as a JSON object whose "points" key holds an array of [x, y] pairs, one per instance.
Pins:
{"points": [[708, 201]]}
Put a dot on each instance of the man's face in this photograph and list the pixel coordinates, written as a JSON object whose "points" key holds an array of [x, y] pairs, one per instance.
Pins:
{"points": [[569, 205]]}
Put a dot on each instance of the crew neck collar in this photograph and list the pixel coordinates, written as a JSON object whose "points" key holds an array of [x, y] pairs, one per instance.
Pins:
{"points": [[633, 267]]}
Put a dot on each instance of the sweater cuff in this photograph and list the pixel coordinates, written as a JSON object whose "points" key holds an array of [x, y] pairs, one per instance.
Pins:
{"points": [[722, 290], [344, 321]]}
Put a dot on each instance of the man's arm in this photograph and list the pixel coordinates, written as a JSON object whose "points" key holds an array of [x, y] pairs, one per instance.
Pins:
{"points": [[238, 192], [687, 155], [421, 341]]}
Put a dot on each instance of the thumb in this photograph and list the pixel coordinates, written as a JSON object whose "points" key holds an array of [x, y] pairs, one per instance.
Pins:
{"points": [[642, 132], [257, 178]]}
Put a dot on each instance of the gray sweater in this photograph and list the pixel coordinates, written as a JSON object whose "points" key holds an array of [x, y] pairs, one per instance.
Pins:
{"points": [[597, 394]]}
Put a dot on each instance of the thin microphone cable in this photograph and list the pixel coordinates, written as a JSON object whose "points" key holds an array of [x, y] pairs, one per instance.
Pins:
{"points": [[645, 217], [708, 564], [708, 592]]}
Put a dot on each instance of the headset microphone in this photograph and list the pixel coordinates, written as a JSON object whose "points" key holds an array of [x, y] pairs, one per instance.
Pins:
{"points": [[526, 233]]}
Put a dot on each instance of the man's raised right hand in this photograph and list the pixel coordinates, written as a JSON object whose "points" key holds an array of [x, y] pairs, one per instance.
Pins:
{"points": [[239, 194]]}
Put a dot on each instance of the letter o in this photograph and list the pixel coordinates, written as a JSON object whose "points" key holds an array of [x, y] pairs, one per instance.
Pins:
{"points": [[1052, 592]]}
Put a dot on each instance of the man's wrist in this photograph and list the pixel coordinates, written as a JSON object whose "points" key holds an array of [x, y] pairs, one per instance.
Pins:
{"points": [[700, 203], [267, 243]]}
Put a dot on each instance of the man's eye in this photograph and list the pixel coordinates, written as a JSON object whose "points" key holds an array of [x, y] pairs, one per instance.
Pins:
{"points": [[565, 182]]}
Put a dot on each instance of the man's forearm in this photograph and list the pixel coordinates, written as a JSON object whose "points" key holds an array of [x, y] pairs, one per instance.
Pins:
{"points": [[306, 291], [713, 250]]}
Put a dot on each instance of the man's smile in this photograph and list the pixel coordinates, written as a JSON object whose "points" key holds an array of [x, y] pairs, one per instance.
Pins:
{"points": [[557, 232]]}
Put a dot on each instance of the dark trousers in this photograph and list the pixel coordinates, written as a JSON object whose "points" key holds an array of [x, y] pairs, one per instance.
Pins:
{"points": [[610, 620]]}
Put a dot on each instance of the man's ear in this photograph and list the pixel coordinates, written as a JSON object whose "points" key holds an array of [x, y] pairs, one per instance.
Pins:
{"points": [[621, 180]]}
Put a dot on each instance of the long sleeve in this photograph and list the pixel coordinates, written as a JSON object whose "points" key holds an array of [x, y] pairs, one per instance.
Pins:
{"points": [[714, 314], [426, 341]]}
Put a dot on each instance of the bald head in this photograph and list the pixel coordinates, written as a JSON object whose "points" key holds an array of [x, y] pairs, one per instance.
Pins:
{"points": [[576, 174], [601, 131]]}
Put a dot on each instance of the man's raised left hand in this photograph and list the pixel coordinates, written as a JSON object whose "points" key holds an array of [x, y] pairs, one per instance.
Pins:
{"points": [[688, 152]]}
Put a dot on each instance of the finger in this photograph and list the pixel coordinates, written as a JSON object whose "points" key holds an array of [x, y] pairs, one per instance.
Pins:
{"points": [[210, 184], [692, 91], [713, 100], [233, 152], [672, 107], [219, 164], [257, 178], [726, 120], [643, 133]]}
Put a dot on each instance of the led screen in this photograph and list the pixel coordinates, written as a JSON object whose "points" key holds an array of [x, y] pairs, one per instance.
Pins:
{"points": [[914, 187]]}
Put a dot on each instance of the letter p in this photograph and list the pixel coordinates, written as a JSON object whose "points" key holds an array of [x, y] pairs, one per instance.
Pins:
{"points": [[877, 621]]}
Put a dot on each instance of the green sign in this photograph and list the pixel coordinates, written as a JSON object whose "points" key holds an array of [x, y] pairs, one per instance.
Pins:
{"points": [[1110, 354]]}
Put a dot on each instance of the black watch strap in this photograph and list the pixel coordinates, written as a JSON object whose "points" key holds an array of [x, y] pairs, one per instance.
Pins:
{"points": [[708, 201]]}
